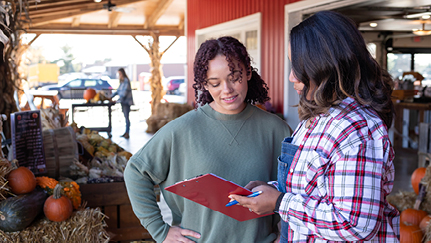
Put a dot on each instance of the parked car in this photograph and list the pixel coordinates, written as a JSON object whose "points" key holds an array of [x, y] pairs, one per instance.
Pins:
{"points": [[182, 89], [74, 89], [173, 83]]}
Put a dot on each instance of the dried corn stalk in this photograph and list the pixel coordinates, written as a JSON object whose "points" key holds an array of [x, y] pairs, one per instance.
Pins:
{"points": [[13, 15], [156, 69]]}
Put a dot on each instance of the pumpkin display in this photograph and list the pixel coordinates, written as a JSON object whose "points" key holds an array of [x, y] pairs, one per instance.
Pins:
{"points": [[21, 179], [16, 213], [416, 178], [58, 207], [89, 94], [410, 233], [412, 216]]}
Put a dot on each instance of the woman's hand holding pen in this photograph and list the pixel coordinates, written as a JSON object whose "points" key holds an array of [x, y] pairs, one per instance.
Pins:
{"points": [[176, 234], [262, 204]]}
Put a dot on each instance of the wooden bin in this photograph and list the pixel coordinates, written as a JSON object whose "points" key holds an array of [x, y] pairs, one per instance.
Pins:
{"points": [[114, 202], [61, 149]]}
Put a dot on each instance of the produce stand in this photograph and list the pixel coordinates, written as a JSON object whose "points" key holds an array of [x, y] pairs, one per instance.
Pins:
{"points": [[109, 105], [114, 202]]}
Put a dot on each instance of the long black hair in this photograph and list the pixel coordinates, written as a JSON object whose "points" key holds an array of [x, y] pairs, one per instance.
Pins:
{"points": [[233, 50], [329, 50], [122, 71]]}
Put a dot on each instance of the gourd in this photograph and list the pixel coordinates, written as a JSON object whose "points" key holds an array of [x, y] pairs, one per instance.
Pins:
{"points": [[16, 213], [21, 179], [89, 94], [58, 207], [71, 190], [416, 178], [46, 183]]}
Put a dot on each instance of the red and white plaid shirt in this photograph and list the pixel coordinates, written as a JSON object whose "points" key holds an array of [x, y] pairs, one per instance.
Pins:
{"points": [[339, 179]]}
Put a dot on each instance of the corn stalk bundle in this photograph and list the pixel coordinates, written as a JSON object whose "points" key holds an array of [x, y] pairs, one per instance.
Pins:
{"points": [[13, 14]]}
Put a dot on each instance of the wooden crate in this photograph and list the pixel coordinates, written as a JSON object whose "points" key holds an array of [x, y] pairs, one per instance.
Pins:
{"points": [[114, 202], [61, 150]]}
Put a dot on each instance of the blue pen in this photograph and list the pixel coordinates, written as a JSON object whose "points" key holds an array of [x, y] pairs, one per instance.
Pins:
{"points": [[254, 194]]}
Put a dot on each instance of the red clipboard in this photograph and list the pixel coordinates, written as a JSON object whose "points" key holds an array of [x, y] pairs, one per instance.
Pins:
{"points": [[212, 192]]}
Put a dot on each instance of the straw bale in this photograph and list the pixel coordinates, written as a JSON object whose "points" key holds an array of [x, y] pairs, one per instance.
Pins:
{"points": [[85, 225], [5, 168], [164, 113]]}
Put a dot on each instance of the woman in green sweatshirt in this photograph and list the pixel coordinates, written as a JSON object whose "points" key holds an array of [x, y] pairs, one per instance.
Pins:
{"points": [[225, 135]]}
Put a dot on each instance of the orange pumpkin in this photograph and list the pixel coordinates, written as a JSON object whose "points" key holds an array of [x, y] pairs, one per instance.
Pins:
{"points": [[58, 207], [21, 179], [416, 178], [89, 94], [424, 223], [410, 233], [412, 216]]}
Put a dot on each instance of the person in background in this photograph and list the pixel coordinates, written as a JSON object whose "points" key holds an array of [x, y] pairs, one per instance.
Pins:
{"points": [[340, 155], [225, 135], [124, 92]]}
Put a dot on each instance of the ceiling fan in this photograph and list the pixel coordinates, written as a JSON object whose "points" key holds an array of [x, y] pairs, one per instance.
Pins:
{"points": [[113, 7]]}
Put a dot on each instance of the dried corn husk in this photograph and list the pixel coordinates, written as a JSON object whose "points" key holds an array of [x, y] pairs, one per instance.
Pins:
{"points": [[86, 225], [52, 119]]}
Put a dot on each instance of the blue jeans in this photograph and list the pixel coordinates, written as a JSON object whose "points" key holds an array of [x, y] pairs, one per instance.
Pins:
{"points": [[126, 112], [288, 151]]}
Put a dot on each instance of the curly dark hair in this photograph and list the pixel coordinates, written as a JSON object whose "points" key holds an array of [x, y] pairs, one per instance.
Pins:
{"points": [[233, 50], [329, 50]]}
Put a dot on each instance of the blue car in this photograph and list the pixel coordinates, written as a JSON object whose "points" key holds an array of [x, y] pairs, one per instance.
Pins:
{"points": [[74, 89]]}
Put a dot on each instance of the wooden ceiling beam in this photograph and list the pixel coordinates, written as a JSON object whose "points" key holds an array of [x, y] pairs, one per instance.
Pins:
{"points": [[114, 17], [181, 23], [47, 20], [105, 31], [162, 5], [72, 6], [76, 21]]}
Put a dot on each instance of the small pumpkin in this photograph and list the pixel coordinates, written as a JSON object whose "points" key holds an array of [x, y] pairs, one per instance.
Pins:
{"points": [[21, 179], [412, 216], [410, 233], [424, 223], [58, 207], [416, 178], [89, 94], [16, 213]]}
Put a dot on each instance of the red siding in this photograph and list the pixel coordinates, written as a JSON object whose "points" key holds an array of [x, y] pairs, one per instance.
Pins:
{"points": [[205, 13]]}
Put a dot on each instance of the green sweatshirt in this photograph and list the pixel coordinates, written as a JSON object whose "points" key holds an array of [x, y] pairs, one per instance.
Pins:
{"points": [[240, 148]]}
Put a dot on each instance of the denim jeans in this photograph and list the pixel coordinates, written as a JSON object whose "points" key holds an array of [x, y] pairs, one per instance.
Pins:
{"points": [[126, 112], [288, 151]]}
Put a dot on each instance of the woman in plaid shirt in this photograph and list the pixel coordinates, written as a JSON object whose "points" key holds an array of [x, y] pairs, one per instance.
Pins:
{"points": [[339, 162]]}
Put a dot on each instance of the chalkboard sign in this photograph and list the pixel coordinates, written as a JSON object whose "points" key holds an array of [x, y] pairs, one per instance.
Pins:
{"points": [[27, 142]]}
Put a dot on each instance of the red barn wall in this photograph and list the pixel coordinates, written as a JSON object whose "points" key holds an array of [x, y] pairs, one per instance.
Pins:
{"points": [[205, 13]]}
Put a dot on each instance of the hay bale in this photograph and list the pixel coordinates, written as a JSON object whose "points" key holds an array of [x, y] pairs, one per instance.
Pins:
{"points": [[5, 168], [164, 113], [86, 225]]}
